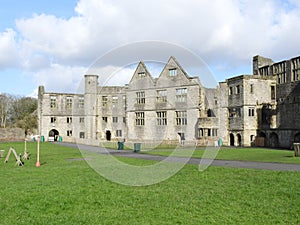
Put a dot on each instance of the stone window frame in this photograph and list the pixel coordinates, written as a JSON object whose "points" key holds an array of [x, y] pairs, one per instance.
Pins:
{"points": [[161, 96], [69, 102], [81, 102], [104, 101], [53, 101], [181, 94], [118, 133], [161, 118], [251, 111], [69, 133], [181, 118], [115, 119], [141, 74], [173, 72], [140, 97], [140, 118], [69, 119]]}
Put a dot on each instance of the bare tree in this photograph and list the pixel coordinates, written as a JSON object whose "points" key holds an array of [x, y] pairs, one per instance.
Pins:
{"points": [[6, 102]]}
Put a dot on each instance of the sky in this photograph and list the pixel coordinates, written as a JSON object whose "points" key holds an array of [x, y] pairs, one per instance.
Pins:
{"points": [[54, 43]]}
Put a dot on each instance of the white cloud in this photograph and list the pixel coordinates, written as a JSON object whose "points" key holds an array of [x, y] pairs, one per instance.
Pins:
{"points": [[59, 78], [226, 34], [8, 49]]}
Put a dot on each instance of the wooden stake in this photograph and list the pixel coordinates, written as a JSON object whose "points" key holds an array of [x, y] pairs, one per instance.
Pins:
{"points": [[38, 164]]}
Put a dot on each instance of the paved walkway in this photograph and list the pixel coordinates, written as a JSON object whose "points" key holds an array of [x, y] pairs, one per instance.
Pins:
{"points": [[196, 161]]}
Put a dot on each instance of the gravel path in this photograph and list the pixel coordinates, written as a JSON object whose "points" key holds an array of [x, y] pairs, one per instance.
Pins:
{"points": [[196, 161]]}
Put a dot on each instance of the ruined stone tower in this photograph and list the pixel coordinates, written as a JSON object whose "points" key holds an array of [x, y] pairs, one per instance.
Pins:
{"points": [[90, 105]]}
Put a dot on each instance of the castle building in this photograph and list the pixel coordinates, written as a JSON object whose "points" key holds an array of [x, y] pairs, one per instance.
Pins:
{"points": [[246, 110]]}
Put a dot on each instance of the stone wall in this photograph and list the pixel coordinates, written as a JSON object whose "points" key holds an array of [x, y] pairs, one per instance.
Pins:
{"points": [[12, 134]]}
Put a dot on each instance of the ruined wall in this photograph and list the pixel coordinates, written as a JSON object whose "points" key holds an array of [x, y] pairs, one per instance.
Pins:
{"points": [[12, 134]]}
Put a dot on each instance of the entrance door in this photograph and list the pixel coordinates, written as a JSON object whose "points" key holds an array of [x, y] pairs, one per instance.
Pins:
{"points": [[53, 135], [108, 135]]}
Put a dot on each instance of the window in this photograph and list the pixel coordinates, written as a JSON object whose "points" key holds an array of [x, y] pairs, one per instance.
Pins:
{"points": [[161, 96], [181, 95], [69, 119], [181, 118], [104, 119], [140, 97], [69, 133], [115, 99], [234, 112], [53, 119], [52, 102], [81, 120], [81, 135], [81, 102], [273, 92], [139, 118], [104, 101], [118, 133], [141, 74], [161, 118], [237, 89], [124, 119], [115, 119], [251, 112], [251, 88], [69, 102], [173, 72], [230, 90]]}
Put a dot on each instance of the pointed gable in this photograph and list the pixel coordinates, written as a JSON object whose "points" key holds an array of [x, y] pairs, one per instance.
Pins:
{"points": [[141, 77], [173, 74]]}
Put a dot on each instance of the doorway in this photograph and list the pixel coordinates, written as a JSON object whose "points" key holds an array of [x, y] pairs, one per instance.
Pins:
{"points": [[231, 139], [53, 135], [108, 135]]}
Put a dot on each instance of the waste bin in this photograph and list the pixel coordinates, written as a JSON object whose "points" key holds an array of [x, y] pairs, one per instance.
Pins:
{"points": [[60, 138], [137, 147], [220, 142], [297, 149], [2, 153], [42, 138], [120, 145]]}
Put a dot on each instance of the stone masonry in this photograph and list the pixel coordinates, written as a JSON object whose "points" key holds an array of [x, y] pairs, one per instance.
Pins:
{"points": [[259, 109]]}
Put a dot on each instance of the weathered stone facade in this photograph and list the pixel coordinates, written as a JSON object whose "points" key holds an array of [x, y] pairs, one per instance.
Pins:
{"points": [[259, 109]]}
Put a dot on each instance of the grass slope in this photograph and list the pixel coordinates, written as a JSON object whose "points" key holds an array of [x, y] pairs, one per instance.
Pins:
{"points": [[65, 191]]}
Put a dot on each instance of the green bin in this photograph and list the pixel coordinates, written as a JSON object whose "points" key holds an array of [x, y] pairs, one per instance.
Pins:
{"points": [[137, 147], [120, 145], [42, 138], [60, 138]]}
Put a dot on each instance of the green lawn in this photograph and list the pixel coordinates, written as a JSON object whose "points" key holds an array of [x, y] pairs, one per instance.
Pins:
{"points": [[243, 154], [68, 191]]}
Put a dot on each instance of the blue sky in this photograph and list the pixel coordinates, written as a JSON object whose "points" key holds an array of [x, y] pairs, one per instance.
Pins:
{"points": [[53, 43]]}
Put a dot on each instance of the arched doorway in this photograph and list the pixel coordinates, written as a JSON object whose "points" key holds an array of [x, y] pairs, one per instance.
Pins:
{"points": [[108, 135], [239, 137], [274, 140], [297, 138], [53, 135], [231, 139]]}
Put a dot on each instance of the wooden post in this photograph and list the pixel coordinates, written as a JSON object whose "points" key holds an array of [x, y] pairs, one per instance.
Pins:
{"points": [[26, 154], [38, 164]]}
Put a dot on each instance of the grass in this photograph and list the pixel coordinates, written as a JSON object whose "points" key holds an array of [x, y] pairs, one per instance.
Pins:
{"points": [[243, 154], [68, 191]]}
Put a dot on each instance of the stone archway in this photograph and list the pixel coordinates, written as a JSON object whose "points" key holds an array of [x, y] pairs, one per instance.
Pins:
{"points": [[297, 138], [53, 135]]}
